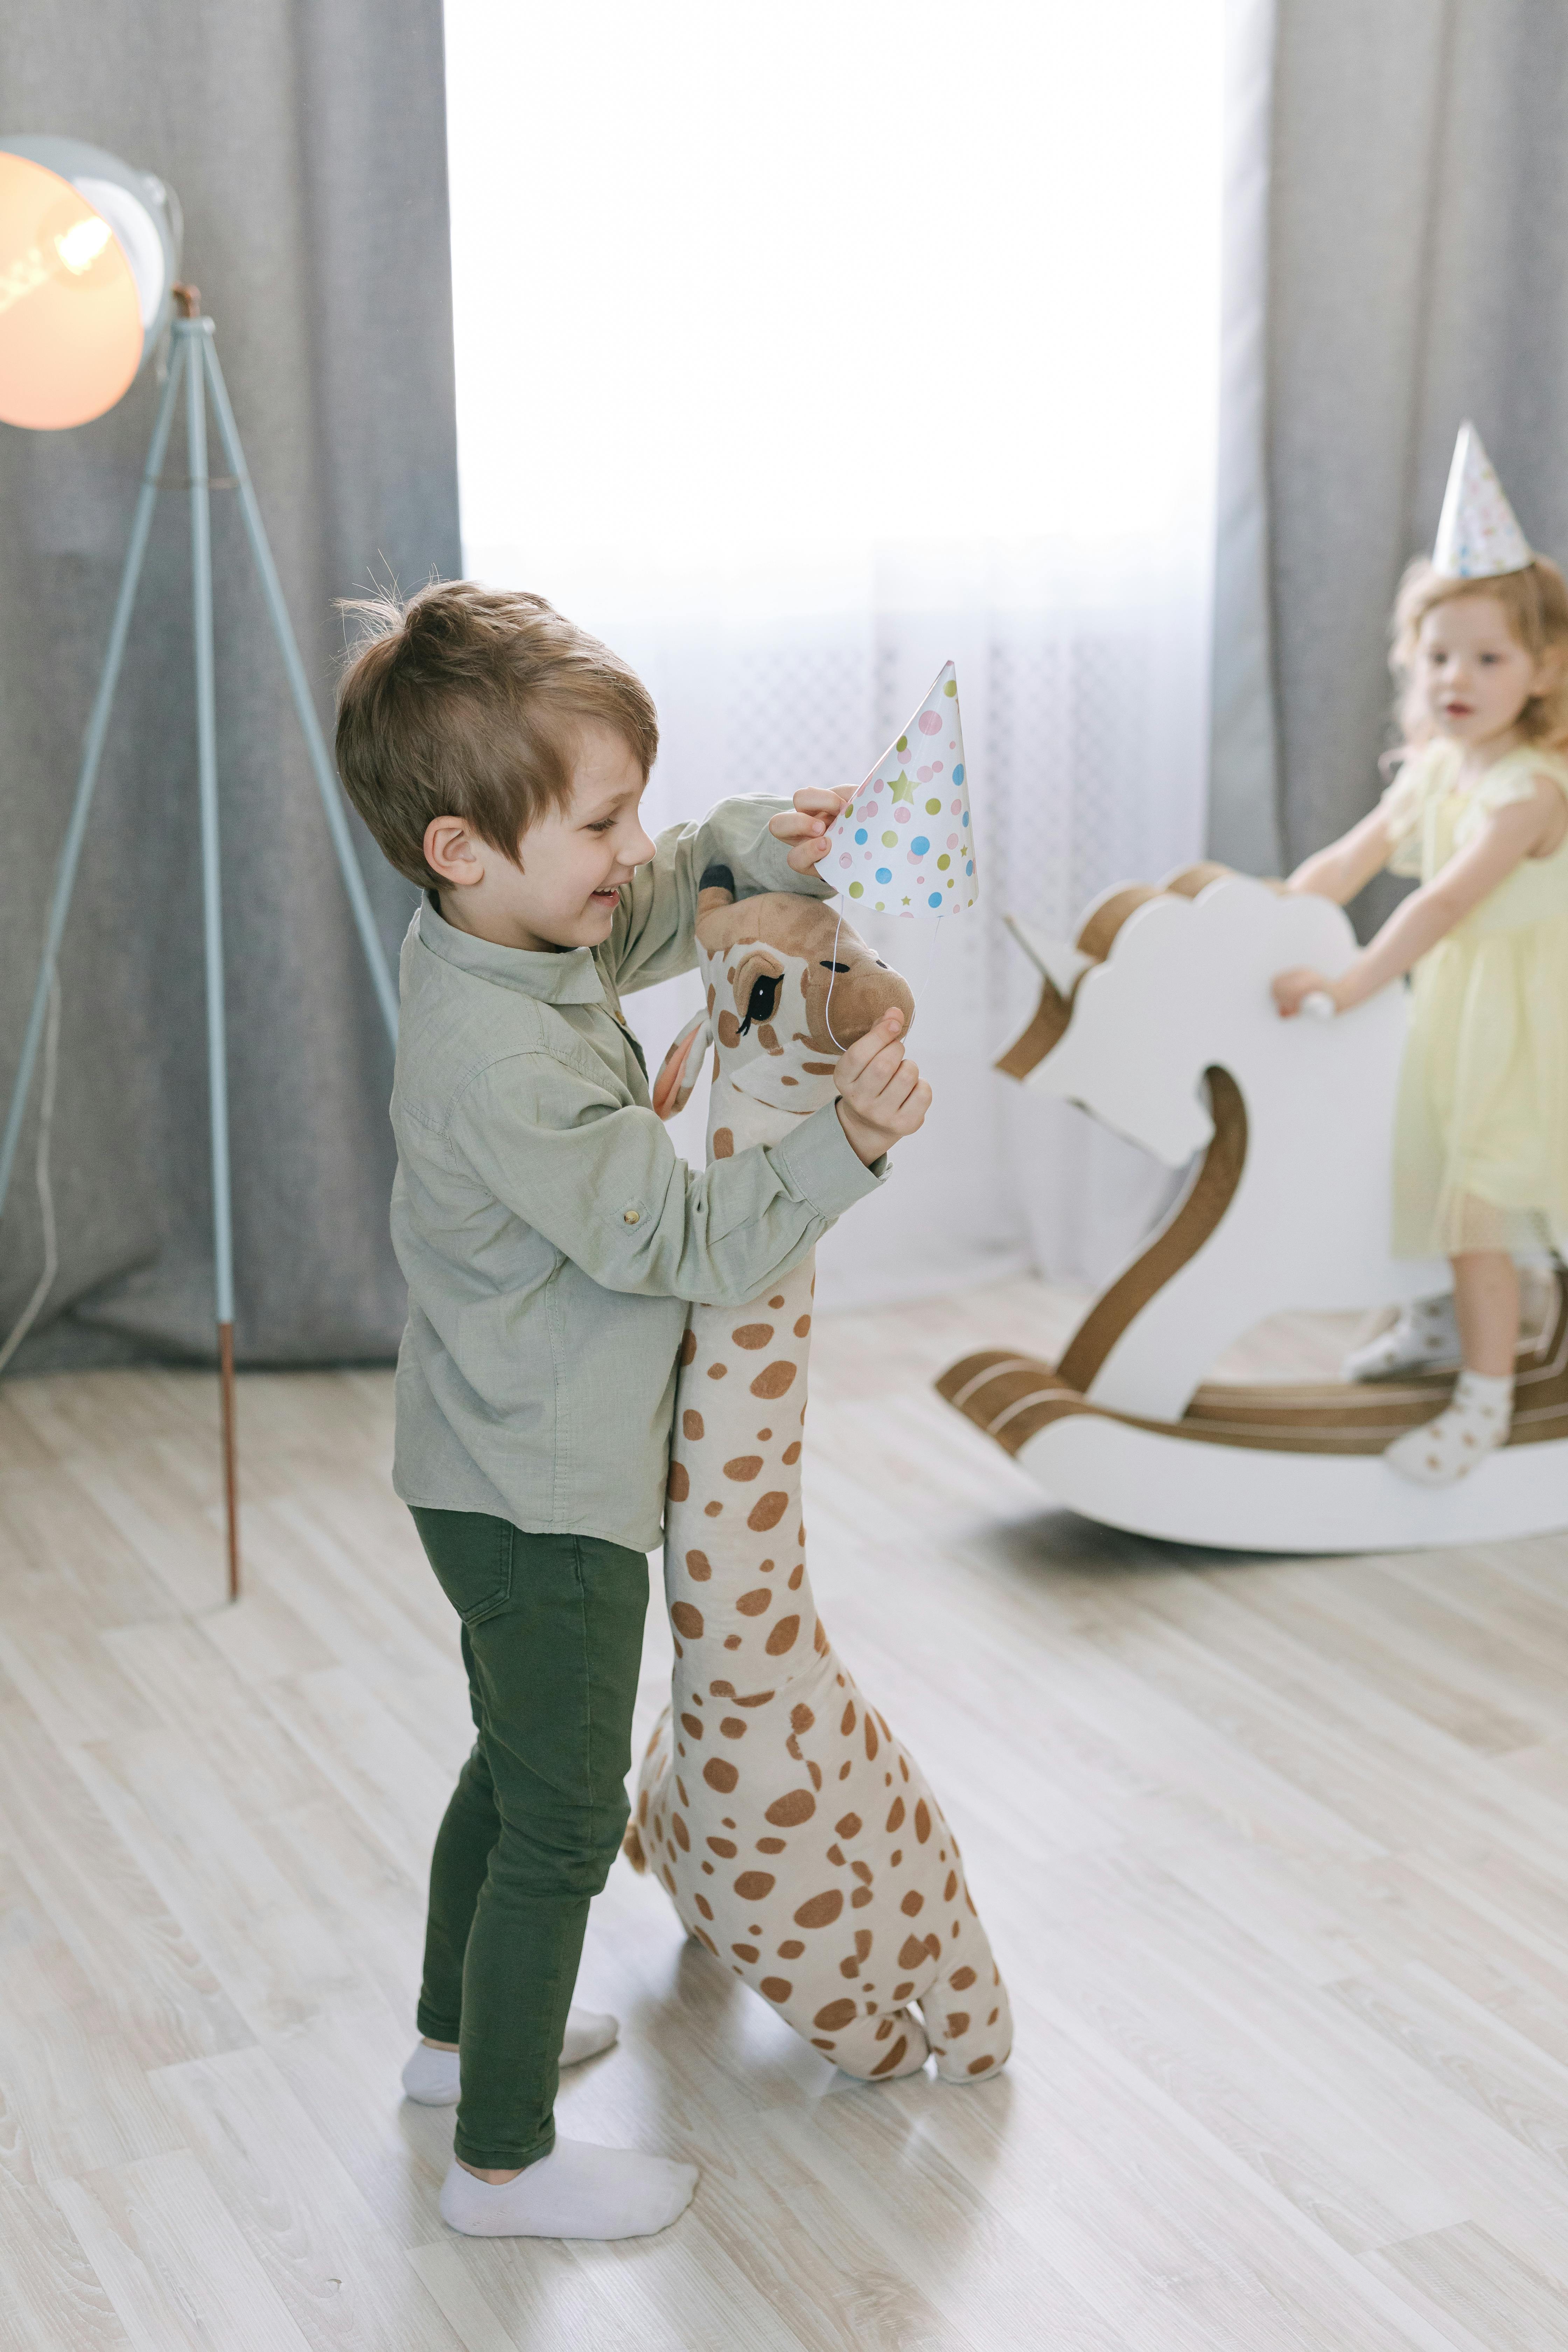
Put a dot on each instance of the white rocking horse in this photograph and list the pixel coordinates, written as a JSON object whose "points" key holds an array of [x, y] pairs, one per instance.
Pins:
{"points": [[1160, 1022]]}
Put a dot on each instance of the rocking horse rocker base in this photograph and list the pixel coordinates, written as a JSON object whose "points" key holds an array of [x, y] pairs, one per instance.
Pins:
{"points": [[1263, 1466], [1159, 1021]]}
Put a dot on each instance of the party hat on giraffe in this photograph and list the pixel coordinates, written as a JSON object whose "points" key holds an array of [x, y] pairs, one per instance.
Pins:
{"points": [[905, 844], [1479, 536]]}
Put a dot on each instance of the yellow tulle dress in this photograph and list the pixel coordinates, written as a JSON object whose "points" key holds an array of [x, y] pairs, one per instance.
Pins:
{"points": [[1481, 1132]]}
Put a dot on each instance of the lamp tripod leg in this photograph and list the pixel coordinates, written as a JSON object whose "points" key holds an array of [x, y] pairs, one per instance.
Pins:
{"points": [[327, 784], [198, 330], [230, 1452], [87, 777]]}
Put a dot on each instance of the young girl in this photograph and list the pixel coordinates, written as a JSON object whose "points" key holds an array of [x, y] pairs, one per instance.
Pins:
{"points": [[1480, 812]]}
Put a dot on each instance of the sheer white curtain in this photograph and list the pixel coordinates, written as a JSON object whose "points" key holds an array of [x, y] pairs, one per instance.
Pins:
{"points": [[799, 351]]}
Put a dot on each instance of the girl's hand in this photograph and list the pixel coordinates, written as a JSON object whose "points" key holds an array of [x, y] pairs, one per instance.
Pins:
{"points": [[1292, 987], [807, 825], [881, 1096]]}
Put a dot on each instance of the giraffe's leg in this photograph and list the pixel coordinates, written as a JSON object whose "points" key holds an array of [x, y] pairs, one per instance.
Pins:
{"points": [[966, 2011], [655, 1763], [881, 2049]]}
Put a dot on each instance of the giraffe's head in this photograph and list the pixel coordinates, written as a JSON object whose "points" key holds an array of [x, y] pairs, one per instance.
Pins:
{"points": [[788, 987]]}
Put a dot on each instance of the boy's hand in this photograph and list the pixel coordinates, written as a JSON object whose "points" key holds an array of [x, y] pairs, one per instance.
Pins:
{"points": [[881, 1096], [807, 825]]}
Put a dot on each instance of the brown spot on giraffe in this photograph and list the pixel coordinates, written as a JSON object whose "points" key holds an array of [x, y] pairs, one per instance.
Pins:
{"points": [[913, 1902], [820, 1910], [922, 1820], [680, 1484], [783, 1636], [717, 1371], [751, 1604], [743, 1468], [850, 1826], [689, 1346], [752, 1885], [725, 1848], [892, 2058], [686, 1619], [796, 1806], [733, 1727], [776, 1988], [835, 2015], [752, 1335], [699, 1566], [691, 1424], [767, 1511], [774, 1378], [720, 1774]]}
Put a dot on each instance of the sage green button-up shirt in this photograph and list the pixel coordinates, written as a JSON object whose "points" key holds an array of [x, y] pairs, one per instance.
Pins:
{"points": [[550, 1236]]}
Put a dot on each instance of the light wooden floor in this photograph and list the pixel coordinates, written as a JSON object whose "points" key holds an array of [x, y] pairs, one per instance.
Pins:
{"points": [[1274, 1857]]}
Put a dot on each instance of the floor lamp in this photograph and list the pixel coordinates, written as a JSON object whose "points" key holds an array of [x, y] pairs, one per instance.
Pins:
{"points": [[88, 251]]}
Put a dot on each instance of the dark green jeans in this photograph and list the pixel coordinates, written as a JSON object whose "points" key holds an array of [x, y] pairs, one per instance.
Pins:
{"points": [[552, 1630]]}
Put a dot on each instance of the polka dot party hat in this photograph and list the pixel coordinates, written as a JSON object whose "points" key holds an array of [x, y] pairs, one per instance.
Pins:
{"points": [[904, 846], [1478, 536]]}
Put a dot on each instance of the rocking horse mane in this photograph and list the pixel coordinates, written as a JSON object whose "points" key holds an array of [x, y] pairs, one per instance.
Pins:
{"points": [[1096, 938]]}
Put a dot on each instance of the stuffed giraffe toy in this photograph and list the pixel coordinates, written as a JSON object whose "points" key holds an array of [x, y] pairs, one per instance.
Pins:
{"points": [[797, 1836]]}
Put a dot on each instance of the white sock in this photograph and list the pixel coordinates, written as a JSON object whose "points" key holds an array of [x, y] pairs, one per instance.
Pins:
{"points": [[1425, 1333], [431, 2075], [576, 2191], [1472, 1426]]}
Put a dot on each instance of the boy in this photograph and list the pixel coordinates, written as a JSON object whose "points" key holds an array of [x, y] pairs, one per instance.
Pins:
{"points": [[551, 1239]]}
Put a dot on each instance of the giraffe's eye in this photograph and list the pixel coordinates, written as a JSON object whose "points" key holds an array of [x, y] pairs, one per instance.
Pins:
{"points": [[828, 966], [763, 1002]]}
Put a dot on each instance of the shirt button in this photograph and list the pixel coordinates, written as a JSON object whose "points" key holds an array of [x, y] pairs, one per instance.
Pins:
{"points": [[631, 1216]]}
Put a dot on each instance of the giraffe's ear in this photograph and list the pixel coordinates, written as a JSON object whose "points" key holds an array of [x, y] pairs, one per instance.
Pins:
{"points": [[680, 1068], [717, 889]]}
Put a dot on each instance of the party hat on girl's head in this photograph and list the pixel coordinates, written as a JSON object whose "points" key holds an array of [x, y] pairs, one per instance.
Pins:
{"points": [[905, 846], [1477, 535]]}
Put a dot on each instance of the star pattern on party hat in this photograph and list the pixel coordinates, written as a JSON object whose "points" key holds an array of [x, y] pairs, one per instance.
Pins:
{"points": [[905, 846], [1478, 537]]}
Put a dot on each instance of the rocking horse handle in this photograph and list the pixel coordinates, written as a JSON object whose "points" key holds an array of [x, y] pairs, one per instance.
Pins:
{"points": [[1319, 1005]]}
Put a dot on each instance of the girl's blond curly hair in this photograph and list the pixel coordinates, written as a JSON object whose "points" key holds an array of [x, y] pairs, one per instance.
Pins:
{"points": [[1536, 603]]}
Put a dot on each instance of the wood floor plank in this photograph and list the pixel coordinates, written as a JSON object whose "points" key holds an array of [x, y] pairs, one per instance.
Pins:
{"points": [[346, 2287], [271, 1956], [51, 2298], [128, 1942], [176, 2266], [1504, 2301]]}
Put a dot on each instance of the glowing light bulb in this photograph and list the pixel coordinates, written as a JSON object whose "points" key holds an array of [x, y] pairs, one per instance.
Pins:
{"points": [[79, 246]]}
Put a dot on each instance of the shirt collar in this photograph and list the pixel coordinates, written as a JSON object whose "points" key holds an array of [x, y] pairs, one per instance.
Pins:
{"points": [[568, 976]]}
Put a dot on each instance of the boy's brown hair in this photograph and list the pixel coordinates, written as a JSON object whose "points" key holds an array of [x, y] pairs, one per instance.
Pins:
{"points": [[464, 701]]}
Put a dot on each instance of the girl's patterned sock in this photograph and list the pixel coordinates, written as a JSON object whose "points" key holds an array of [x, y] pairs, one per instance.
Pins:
{"points": [[1474, 1424]]}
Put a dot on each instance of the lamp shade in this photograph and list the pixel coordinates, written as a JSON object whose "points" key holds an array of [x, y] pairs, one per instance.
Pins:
{"points": [[89, 252]]}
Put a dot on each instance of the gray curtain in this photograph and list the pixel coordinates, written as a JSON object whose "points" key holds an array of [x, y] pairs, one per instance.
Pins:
{"points": [[1411, 270], [307, 141]]}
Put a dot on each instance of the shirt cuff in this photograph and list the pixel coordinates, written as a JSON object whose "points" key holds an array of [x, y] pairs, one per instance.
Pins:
{"points": [[822, 1165]]}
